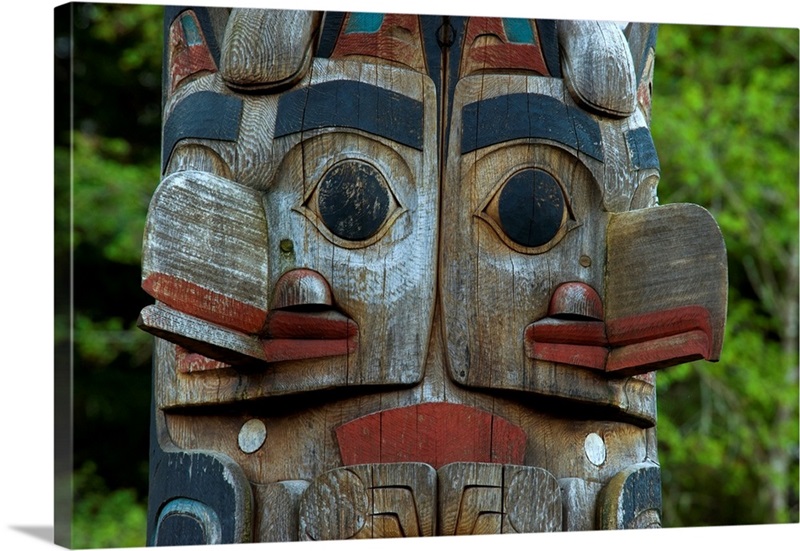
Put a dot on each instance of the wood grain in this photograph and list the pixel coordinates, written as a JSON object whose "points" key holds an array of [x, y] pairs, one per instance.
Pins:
{"points": [[267, 49], [432, 433], [679, 258], [276, 511], [204, 250], [410, 278], [632, 499], [597, 65], [480, 498], [370, 501]]}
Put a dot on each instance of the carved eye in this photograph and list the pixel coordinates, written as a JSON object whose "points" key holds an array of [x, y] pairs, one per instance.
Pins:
{"points": [[529, 211], [354, 203]]}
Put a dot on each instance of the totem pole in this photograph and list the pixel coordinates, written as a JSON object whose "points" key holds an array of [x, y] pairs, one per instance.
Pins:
{"points": [[411, 278]]}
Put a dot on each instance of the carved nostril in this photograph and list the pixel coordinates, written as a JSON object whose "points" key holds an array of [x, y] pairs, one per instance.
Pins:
{"points": [[576, 300], [301, 287]]}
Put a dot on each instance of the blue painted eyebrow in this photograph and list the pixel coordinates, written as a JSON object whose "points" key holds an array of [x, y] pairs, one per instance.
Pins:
{"points": [[513, 116], [642, 149], [203, 114], [351, 104]]}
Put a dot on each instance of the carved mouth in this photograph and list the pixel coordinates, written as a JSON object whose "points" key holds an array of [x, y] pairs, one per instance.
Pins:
{"points": [[436, 433], [302, 323], [297, 335], [626, 346]]}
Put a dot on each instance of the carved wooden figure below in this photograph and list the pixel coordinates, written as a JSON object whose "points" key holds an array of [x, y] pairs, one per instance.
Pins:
{"points": [[411, 278]]}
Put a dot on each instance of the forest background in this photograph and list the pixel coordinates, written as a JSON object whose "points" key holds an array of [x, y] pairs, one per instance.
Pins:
{"points": [[725, 124]]}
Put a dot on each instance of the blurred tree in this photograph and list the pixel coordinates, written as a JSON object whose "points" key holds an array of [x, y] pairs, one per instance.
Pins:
{"points": [[725, 123], [110, 149]]}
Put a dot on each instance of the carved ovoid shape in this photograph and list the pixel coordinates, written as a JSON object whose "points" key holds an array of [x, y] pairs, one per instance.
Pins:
{"points": [[370, 501], [480, 498], [353, 200], [187, 522], [435, 433], [188, 52], [198, 498], [632, 499]]}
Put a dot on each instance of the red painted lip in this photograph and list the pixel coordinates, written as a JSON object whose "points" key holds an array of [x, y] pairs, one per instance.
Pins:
{"points": [[436, 433], [300, 324], [626, 346], [289, 336], [292, 335]]}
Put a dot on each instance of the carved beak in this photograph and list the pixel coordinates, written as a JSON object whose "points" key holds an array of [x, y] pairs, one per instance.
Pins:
{"points": [[666, 295], [574, 333], [303, 322]]}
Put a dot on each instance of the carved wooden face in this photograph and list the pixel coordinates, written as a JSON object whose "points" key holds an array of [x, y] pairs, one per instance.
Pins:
{"points": [[416, 215], [355, 199], [535, 292], [526, 215], [330, 252]]}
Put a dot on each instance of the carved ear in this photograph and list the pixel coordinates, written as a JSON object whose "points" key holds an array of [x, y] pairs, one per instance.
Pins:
{"points": [[597, 66], [267, 49], [191, 44], [642, 42]]}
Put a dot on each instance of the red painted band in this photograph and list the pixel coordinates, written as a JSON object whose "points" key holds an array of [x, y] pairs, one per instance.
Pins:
{"points": [[658, 353], [191, 362], [435, 433], [281, 350], [285, 324], [593, 357], [635, 345], [560, 331], [205, 304], [653, 325]]}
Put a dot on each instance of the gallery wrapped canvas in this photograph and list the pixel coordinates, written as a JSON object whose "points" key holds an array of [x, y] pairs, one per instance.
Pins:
{"points": [[408, 275]]}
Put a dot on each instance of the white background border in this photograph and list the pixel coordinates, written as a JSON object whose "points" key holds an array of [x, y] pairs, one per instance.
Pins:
{"points": [[26, 225]]}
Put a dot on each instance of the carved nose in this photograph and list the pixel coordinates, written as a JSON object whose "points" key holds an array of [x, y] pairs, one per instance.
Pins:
{"points": [[301, 287], [575, 300]]}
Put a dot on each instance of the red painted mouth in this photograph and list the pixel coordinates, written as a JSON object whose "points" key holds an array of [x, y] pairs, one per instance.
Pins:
{"points": [[294, 335], [437, 433], [626, 346]]}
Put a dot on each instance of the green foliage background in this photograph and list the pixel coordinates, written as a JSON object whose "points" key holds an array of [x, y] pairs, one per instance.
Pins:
{"points": [[725, 123]]}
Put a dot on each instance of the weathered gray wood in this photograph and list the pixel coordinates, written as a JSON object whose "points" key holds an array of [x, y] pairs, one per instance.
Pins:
{"points": [[597, 65], [433, 243], [483, 498], [578, 497], [678, 256], [277, 507], [370, 501], [267, 49], [205, 250]]}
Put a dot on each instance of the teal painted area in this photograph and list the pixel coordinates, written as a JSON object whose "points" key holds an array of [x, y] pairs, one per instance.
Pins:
{"points": [[519, 30], [190, 30], [364, 23]]}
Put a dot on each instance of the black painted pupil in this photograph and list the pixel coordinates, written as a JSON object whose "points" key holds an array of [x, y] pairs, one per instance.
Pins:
{"points": [[353, 200], [531, 207]]}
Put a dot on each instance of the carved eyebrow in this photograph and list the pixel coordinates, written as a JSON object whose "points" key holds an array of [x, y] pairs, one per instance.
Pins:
{"points": [[642, 149], [203, 114], [504, 118], [351, 104]]}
